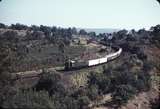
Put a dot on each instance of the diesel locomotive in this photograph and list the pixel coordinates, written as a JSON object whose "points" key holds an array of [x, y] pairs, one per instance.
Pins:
{"points": [[77, 64]]}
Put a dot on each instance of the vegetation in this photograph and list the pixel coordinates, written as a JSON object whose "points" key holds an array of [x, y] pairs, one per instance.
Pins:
{"points": [[122, 84], [29, 99], [123, 78], [39, 46]]}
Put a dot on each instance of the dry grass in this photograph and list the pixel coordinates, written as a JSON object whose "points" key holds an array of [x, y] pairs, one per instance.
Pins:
{"points": [[79, 79]]}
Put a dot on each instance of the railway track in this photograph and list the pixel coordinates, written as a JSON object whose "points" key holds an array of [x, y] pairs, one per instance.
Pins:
{"points": [[37, 73], [33, 74], [90, 66]]}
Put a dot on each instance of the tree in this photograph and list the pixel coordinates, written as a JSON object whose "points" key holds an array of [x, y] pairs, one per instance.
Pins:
{"points": [[62, 47], [2, 25], [83, 102], [82, 32], [67, 41], [74, 30], [121, 34], [123, 93], [46, 30], [70, 103], [47, 80], [143, 82], [34, 28], [92, 34], [101, 80], [141, 55], [18, 26], [93, 92], [156, 35]]}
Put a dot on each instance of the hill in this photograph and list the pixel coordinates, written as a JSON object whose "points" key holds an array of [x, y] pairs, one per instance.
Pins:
{"points": [[130, 81]]}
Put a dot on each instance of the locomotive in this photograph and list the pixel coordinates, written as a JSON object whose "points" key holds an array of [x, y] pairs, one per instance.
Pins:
{"points": [[77, 64]]}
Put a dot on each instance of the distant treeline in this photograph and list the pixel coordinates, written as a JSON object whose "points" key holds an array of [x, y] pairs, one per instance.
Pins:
{"points": [[66, 32], [48, 30]]}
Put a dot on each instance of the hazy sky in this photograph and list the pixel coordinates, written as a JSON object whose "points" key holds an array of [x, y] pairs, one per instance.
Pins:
{"points": [[82, 13]]}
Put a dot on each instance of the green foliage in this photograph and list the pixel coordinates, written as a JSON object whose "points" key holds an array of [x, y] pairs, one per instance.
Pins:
{"points": [[29, 99], [37, 46], [156, 35], [143, 82], [83, 101], [92, 34], [99, 79], [123, 93], [7, 91], [61, 47], [2, 25], [18, 26], [50, 81], [50, 91], [92, 92], [82, 32], [70, 103], [120, 81], [7, 60]]}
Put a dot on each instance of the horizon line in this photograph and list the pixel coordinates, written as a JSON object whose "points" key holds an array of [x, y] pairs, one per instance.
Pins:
{"points": [[80, 27]]}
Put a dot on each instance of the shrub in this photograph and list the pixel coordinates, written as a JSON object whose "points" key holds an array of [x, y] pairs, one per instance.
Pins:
{"points": [[99, 79], [93, 92], [123, 93], [50, 82], [83, 101], [47, 79], [29, 99]]}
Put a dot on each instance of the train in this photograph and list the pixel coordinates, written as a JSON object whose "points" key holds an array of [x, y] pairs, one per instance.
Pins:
{"points": [[77, 64]]}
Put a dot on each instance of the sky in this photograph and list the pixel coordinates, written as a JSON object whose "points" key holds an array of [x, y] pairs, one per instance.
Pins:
{"points": [[121, 14]]}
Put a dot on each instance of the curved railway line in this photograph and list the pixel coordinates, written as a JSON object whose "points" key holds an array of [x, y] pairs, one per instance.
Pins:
{"points": [[89, 66]]}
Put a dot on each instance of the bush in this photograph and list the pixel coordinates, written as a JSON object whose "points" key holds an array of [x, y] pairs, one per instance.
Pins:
{"points": [[29, 99], [92, 92], [50, 81], [47, 81], [71, 103], [143, 82], [123, 93], [99, 79], [83, 101]]}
